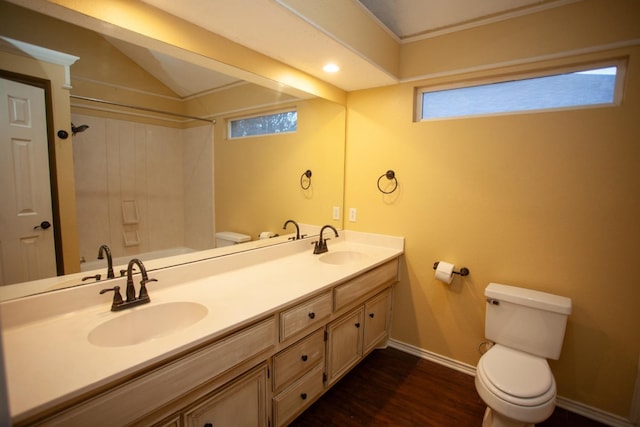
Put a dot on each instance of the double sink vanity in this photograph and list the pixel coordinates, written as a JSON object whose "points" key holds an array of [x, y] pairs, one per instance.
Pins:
{"points": [[247, 339]]}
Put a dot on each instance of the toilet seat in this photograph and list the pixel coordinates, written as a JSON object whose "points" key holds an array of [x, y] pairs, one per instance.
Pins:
{"points": [[516, 377]]}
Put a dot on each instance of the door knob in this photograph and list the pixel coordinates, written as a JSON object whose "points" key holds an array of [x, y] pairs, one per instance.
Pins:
{"points": [[44, 225]]}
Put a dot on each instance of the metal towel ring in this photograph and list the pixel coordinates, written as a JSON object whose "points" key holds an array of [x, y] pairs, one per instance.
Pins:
{"points": [[308, 175], [391, 175]]}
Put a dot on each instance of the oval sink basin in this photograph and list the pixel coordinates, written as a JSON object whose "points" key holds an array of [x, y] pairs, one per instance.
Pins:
{"points": [[146, 323], [344, 257]]}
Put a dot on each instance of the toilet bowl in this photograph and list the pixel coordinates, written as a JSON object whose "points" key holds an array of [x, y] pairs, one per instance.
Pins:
{"points": [[518, 388], [513, 377]]}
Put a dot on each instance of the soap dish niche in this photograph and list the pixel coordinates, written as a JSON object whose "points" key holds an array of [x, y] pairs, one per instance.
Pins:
{"points": [[129, 212], [131, 238]]}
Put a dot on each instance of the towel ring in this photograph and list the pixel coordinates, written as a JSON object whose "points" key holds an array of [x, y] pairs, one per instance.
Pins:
{"points": [[308, 175], [391, 175]]}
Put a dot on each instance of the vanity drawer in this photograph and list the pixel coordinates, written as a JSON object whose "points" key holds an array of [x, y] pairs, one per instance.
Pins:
{"points": [[297, 359], [304, 315], [161, 386], [355, 289], [296, 398]]}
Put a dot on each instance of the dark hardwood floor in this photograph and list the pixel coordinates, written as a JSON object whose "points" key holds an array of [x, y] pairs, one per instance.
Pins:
{"points": [[393, 388]]}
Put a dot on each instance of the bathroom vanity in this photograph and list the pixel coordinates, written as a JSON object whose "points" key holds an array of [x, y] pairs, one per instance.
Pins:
{"points": [[249, 339]]}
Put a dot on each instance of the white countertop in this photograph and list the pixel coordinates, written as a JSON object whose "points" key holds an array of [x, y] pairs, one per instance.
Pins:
{"points": [[49, 359]]}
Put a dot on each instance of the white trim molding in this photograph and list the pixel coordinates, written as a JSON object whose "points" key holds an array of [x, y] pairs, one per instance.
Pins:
{"points": [[41, 54], [562, 402], [433, 357]]}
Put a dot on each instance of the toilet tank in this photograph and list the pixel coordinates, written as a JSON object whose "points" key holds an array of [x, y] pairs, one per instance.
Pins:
{"points": [[228, 238], [526, 320]]}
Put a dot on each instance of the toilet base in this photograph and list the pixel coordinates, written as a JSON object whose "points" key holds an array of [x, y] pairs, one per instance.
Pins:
{"points": [[494, 419]]}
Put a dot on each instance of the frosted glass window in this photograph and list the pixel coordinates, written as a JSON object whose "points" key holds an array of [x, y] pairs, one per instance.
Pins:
{"points": [[283, 122], [568, 90]]}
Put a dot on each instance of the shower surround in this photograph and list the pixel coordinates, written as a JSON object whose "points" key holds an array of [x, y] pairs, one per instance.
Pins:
{"points": [[142, 188]]}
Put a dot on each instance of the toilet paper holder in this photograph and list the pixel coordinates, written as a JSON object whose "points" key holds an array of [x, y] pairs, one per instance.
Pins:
{"points": [[464, 271]]}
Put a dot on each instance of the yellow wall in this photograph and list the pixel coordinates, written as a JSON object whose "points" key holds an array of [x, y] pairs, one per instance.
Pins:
{"points": [[264, 172], [547, 201]]}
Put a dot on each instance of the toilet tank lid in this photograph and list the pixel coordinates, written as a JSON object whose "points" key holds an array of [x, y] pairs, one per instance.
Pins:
{"points": [[233, 236], [529, 298]]}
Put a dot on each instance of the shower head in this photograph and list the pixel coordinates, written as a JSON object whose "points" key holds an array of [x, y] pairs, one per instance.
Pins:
{"points": [[77, 129]]}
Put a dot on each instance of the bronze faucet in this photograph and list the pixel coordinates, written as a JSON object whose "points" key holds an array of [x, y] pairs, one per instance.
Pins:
{"points": [[298, 236], [321, 245], [105, 249], [131, 301]]}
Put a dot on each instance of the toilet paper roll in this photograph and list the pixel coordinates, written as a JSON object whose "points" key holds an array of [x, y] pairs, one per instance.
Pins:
{"points": [[265, 235], [444, 272]]}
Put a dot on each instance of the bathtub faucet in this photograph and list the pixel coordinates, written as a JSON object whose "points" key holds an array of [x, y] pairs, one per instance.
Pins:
{"points": [[105, 249]]}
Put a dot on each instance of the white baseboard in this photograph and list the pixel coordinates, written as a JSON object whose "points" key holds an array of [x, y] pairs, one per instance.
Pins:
{"points": [[562, 402], [433, 357]]}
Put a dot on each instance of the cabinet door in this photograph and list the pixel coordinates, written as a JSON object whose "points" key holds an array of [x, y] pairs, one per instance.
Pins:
{"points": [[376, 320], [344, 344], [242, 403]]}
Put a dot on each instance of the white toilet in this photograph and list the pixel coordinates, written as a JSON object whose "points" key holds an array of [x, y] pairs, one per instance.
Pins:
{"points": [[513, 377], [228, 238]]}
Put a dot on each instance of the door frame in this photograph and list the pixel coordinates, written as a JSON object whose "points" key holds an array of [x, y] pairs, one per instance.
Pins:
{"points": [[45, 85]]}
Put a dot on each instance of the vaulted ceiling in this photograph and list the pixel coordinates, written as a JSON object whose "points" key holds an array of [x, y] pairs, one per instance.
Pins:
{"points": [[306, 35]]}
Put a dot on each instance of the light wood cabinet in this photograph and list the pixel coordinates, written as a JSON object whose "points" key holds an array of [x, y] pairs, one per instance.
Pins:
{"points": [[300, 394], [306, 315], [358, 289], [297, 359], [240, 404], [344, 344], [154, 390], [355, 334], [376, 320]]}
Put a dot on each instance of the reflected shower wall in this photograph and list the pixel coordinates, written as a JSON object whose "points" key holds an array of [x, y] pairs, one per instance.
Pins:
{"points": [[142, 188]]}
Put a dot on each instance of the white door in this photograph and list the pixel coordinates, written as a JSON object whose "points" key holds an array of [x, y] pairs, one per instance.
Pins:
{"points": [[27, 248]]}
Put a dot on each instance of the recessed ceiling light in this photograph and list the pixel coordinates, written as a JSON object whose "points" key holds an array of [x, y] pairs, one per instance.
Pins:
{"points": [[331, 68]]}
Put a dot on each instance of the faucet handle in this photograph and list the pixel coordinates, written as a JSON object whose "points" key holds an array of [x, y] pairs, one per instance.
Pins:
{"points": [[117, 298], [144, 295]]}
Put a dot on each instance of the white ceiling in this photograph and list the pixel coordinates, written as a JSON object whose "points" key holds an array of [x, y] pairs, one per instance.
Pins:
{"points": [[268, 27]]}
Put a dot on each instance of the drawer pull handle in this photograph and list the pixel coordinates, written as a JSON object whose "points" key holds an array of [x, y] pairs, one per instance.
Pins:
{"points": [[304, 357], [312, 315], [358, 325], [208, 425], [303, 396], [371, 315]]}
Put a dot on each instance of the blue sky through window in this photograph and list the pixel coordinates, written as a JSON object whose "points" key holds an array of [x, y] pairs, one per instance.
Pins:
{"points": [[591, 87]]}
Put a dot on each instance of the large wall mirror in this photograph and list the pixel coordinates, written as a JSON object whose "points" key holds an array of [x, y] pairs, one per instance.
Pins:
{"points": [[155, 185]]}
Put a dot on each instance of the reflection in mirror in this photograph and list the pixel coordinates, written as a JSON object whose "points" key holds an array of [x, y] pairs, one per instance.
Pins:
{"points": [[153, 185]]}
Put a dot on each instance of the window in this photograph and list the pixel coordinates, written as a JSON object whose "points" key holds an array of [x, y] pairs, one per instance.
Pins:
{"points": [[282, 122], [555, 90]]}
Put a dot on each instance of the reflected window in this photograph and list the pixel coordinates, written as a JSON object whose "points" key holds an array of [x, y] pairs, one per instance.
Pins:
{"points": [[282, 122], [591, 86]]}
